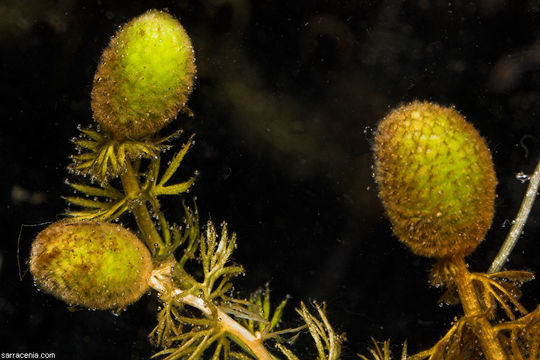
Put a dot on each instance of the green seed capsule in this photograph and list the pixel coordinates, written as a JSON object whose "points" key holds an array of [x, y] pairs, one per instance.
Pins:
{"points": [[96, 265], [144, 77], [436, 179]]}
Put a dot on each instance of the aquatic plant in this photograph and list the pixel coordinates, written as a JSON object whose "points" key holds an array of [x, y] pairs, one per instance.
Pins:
{"points": [[437, 184], [143, 81]]}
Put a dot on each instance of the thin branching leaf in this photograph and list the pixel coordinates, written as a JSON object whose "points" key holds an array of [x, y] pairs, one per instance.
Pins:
{"points": [[108, 191], [175, 163], [86, 144], [288, 353], [514, 275], [94, 135], [278, 312], [174, 189], [93, 204]]}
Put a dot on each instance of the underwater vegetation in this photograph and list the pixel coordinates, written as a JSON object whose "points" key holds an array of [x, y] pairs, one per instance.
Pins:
{"points": [[127, 161], [143, 81], [437, 183]]}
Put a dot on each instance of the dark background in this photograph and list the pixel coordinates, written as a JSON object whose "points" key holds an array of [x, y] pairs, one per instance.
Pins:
{"points": [[287, 96]]}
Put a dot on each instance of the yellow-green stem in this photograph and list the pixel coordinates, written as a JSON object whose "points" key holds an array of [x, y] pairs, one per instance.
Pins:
{"points": [[469, 300], [132, 191]]}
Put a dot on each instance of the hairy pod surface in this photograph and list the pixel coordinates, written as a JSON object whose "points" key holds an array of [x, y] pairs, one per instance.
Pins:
{"points": [[144, 77], [436, 179], [96, 265]]}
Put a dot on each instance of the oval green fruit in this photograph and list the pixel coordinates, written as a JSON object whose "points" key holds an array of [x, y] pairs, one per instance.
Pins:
{"points": [[144, 77], [436, 179], [96, 265]]}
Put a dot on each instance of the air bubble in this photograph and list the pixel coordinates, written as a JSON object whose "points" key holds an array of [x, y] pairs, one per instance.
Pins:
{"points": [[369, 133], [521, 176]]}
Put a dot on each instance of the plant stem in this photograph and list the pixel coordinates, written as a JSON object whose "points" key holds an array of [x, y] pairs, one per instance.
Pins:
{"points": [[132, 191], [226, 323], [519, 222], [471, 306]]}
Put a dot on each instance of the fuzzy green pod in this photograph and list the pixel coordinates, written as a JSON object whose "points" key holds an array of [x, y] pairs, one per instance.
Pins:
{"points": [[436, 179], [96, 265], [144, 77]]}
